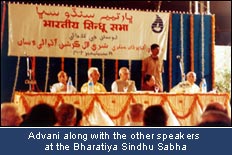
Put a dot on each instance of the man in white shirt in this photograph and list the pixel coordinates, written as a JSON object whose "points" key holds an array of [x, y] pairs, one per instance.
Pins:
{"points": [[61, 86], [187, 86], [94, 75]]}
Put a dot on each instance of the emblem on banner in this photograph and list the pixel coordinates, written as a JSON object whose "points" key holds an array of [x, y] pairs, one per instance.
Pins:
{"points": [[157, 26]]}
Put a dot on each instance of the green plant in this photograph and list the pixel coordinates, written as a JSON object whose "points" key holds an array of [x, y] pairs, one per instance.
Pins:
{"points": [[223, 81]]}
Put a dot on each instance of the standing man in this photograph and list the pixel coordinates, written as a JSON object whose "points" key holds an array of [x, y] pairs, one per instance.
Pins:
{"points": [[153, 65]]}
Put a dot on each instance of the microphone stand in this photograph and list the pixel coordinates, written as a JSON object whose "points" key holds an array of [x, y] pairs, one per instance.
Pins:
{"points": [[29, 71], [181, 68]]}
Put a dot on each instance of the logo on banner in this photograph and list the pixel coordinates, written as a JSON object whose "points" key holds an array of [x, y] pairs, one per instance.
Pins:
{"points": [[158, 25]]}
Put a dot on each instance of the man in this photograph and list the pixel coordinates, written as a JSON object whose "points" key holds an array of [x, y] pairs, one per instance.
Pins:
{"points": [[187, 86], [155, 115], [152, 65], [135, 115], [41, 114], [10, 115], [213, 118], [124, 84], [61, 86], [93, 75], [65, 114]]}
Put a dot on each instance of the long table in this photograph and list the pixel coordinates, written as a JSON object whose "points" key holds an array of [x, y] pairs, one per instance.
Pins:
{"points": [[109, 109]]}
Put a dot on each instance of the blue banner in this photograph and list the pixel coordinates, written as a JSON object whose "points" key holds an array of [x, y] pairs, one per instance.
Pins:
{"points": [[115, 141]]}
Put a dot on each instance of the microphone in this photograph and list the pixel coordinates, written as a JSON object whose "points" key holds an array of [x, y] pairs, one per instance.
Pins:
{"points": [[28, 67], [178, 57], [28, 63]]}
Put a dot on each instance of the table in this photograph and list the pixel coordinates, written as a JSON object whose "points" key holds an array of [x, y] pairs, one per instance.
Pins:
{"points": [[109, 109]]}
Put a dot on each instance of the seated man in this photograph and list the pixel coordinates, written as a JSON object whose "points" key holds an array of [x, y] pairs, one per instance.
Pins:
{"points": [[94, 75], [187, 86], [62, 85], [135, 115], [65, 114], [155, 115], [124, 84], [212, 118], [216, 106], [10, 115], [41, 114], [79, 115], [149, 83]]}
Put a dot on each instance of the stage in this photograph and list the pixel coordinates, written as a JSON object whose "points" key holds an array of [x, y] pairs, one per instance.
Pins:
{"points": [[111, 109]]}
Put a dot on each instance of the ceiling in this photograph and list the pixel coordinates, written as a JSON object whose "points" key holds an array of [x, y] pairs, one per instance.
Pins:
{"points": [[221, 9]]}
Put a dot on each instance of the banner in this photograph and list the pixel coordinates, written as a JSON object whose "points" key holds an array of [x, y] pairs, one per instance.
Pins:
{"points": [[62, 31], [115, 141]]}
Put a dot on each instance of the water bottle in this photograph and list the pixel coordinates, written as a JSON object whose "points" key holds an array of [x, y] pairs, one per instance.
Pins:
{"points": [[69, 85], [203, 86], [90, 86]]}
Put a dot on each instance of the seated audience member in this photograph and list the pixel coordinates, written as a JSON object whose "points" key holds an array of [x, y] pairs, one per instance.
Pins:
{"points": [[79, 116], [216, 106], [61, 86], [65, 115], [155, 115], [94, 75], [40, 115], [135, 115], [24, 116], [123, 84], [149, 83], [213, 118], [187, 86], [10, 115]]}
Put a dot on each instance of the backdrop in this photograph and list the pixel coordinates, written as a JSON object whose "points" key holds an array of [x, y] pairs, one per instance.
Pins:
{"points": [[190, 36]]}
